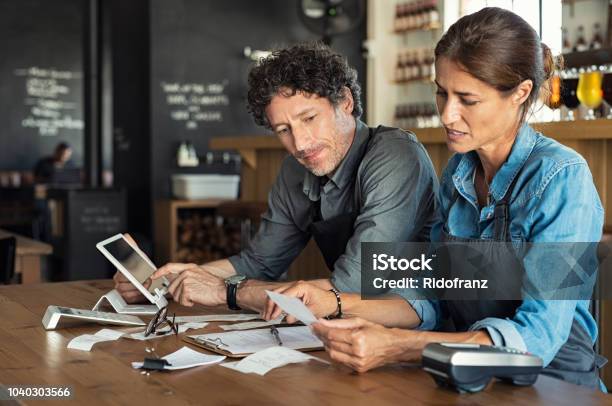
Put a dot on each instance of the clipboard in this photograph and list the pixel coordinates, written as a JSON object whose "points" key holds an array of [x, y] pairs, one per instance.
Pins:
{"points": [[217, 346]]}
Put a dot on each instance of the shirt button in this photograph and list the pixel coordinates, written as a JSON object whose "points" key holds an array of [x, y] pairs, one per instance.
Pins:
{"points": [[489, 215]]}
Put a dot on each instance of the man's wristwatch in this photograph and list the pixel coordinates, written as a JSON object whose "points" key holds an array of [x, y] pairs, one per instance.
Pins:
{"points": [[232, 284]]}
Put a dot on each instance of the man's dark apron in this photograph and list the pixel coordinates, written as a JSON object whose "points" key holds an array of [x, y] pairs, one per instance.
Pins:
{"points": [[333, 234], [576, 361]]}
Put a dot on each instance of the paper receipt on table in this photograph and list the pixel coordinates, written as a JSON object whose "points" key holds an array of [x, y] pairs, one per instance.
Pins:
{"points": [[293, 306], [266, 360]]}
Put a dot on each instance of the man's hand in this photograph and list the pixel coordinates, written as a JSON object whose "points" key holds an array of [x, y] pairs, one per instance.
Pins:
{"points": [[193, 284], [321, 302], [363, 345], [126, 289]]}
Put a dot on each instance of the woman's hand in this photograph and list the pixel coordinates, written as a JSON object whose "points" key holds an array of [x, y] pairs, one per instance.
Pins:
{"points": [[321, 302], [363, 345]]}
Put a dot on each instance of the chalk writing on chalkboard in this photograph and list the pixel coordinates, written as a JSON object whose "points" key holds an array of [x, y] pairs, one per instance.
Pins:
{"points": [[193, 103], [100, 219], [50, 97]]}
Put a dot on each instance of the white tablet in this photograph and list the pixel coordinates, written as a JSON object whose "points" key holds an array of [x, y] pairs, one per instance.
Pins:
{"points": [[135, 265]]}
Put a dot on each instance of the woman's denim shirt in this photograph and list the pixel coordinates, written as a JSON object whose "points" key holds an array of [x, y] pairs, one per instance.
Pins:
{"points": [[554, 200]]}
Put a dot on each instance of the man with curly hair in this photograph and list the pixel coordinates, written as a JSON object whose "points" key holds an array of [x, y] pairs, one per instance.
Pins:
{"points": [[342, 184]]}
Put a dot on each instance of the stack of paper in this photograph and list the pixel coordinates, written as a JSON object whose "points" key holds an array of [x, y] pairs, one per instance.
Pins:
{"points": [[250, 341], [266, 360], [186, 358]]}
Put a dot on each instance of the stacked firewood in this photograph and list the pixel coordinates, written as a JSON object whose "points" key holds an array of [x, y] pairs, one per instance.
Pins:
{"points": [[204, 236]]}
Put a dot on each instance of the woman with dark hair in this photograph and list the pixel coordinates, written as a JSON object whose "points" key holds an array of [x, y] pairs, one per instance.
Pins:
{"points": [[505, 183]]}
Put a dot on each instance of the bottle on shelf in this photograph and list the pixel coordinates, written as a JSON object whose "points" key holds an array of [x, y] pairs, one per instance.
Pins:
{"points": [[408, 62], [399, 68], [414, 64], [416, 115], [426, 67], [597, 41], [581, 44], [409, 18], [425, 16], [416, 67], [434, 14], [432, 63], [397, 21], [186, 155], [609, 30], [398, 116], [404, 17], [182, 154], [423, 67], [416, 15], [566, 47]]}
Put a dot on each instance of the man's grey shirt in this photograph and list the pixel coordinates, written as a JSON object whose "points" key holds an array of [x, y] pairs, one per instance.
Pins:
{"points": [[394, 185]]}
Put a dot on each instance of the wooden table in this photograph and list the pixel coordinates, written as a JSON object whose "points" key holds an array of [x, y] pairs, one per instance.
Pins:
{"points": [[27, 256], [30, 355]]}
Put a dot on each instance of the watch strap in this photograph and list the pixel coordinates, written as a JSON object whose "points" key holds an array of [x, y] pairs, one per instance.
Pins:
{"points": [[231, 296]]}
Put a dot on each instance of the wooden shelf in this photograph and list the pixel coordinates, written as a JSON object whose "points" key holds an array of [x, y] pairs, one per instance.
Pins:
{"points": [[560, 130], [246, 142], [587, 129], [587, 58], [430, 27], [191, 204], [419, 80], [166, 224]]}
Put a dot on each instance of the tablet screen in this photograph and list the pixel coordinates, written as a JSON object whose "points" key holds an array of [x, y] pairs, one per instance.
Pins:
{"points": [[133, 262]]}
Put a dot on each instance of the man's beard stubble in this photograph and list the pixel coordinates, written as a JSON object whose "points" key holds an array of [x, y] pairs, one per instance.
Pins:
{"points": [[337, 150]]}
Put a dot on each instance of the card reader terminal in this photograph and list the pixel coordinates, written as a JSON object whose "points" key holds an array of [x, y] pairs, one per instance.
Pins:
{"points": [[470, 367]]}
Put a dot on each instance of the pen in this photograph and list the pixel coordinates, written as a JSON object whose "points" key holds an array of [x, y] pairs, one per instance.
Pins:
{"points": [[274, 332]]}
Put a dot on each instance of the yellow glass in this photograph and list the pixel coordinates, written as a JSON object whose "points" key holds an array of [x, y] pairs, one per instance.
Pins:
{"points": [[589, 90]]}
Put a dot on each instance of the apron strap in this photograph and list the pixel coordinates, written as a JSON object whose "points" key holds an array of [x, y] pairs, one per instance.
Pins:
{"points": [[501, 215], [333, 234]]}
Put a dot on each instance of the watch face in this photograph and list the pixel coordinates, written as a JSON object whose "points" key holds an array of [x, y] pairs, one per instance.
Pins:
{"points": [[235, 279]]}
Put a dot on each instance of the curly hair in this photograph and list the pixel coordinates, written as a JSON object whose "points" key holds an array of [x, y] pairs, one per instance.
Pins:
{"points": [[312, 68]]}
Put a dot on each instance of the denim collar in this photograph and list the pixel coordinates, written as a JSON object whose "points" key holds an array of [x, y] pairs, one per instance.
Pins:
{"points": [[345, 173], [521, 149]]}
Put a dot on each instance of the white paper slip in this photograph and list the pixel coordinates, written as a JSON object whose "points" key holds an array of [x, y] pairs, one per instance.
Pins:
{"points": [[166, 331], [250, 341], [293, 306], [86, 341], [186, 358], [217, 317], [253, 324], [266, 360]]}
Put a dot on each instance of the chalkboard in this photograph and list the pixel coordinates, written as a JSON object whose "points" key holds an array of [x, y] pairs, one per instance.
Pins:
{"points": [[199, 72], [41, 80], [91, 216]]}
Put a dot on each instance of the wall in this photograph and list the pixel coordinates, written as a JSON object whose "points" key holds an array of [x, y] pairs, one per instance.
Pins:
{"points": [[41, 80], [201, 42]]}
